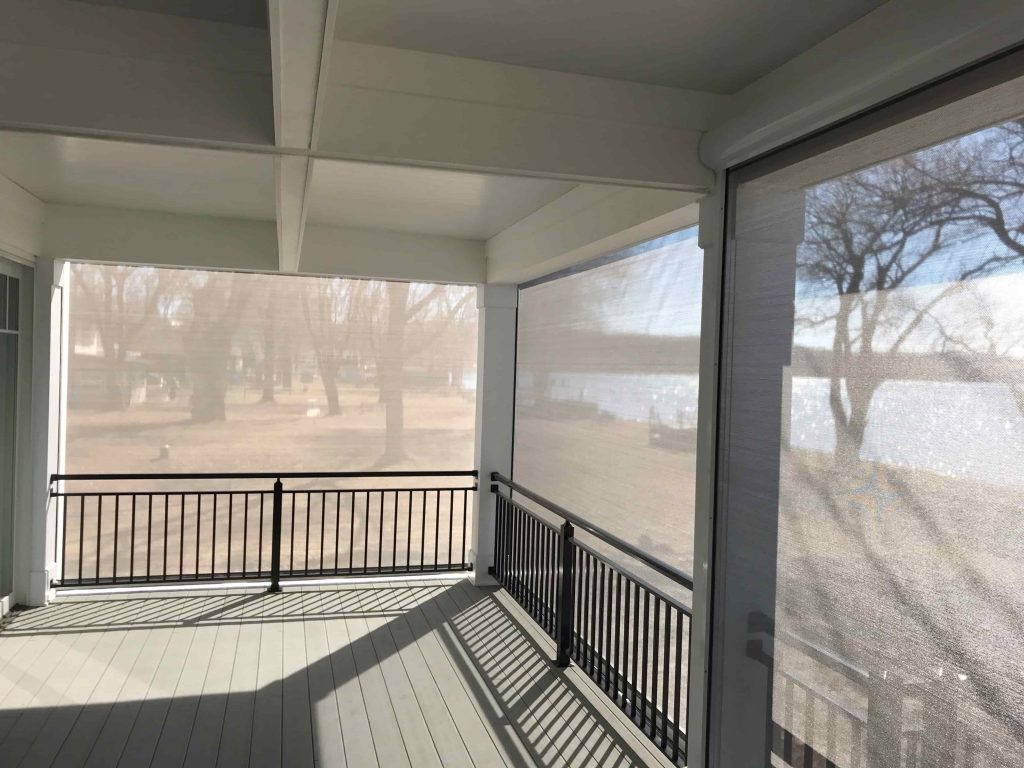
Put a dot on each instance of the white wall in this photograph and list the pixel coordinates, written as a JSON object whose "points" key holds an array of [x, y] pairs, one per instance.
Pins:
{"points": [[86, 233]]}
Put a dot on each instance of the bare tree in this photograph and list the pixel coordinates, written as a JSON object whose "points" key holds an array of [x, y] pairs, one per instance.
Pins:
{"points": [[122, 301], [216, 301], [896, 226], [333, 310]]}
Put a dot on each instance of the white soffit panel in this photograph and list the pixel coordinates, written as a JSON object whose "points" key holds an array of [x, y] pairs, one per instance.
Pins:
{"points": [[82, 171], [436, 202]]}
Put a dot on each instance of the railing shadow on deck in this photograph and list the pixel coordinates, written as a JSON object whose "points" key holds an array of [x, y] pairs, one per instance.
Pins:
{"points": [[532, 708]]}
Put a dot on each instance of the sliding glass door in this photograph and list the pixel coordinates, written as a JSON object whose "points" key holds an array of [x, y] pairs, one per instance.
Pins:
{"points": [[869, 583]]}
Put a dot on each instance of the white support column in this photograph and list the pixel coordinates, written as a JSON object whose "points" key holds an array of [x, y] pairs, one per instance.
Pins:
{"points": [[711, 242], [495, 404], [47, 428]]}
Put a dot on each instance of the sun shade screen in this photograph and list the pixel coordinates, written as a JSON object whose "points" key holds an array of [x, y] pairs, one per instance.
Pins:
{"points": [[872, 599], [606, 393], [188, 371]]}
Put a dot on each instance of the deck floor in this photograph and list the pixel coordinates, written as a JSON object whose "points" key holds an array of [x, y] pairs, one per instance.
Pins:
{"points": [[424, 673]]}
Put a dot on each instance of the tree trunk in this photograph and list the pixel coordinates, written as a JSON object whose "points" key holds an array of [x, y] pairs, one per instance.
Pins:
{"points": [[268, 354], [329, 377], [390, 374]]}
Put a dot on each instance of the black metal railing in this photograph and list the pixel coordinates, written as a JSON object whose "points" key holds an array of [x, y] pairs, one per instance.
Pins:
{"points": [[158, 528], [829, 711], [629, 636]]}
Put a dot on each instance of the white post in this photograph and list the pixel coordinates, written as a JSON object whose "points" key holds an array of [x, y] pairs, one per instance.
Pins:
{"points": [[495, 404], [48, 335]]}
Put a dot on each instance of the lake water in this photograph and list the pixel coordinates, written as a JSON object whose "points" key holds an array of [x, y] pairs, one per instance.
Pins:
{"points": [[971, 430]]}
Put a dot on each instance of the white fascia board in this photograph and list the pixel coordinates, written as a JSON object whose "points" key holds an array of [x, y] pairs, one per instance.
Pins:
{"points": [[82, 67], [404, 107], [898, 47], [381, 254], [21, 221], [587, 222], [87, 233]]}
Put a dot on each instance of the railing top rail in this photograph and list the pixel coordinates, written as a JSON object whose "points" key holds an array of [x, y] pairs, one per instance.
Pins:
{"points": [[260, 475], [635, 578], [666, 570]]}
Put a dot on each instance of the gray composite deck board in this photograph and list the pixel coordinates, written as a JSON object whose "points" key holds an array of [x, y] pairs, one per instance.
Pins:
{"points": [[383, 673]]}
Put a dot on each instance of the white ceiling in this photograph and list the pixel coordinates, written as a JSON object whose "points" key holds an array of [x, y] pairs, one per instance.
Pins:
{"points": [[434, 202], [708, 45], [82, 171]]}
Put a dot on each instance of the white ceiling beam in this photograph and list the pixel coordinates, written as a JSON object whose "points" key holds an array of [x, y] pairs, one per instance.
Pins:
{"points": [[120, 235], [21, 221], [301, 33], [899, 46], [587, 222], [383, 254], [412, 108]]}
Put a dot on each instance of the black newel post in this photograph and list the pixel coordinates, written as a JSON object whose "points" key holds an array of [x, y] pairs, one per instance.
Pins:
{"points": [[565, 596], [275, 552]]}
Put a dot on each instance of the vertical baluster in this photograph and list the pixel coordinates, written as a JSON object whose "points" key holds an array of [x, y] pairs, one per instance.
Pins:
{"points": [[465, 504], [64, 540], [99, 531], [231, 540], [607, 662], [599, 649], [566, 596], [117, 531], [394, 537], [654, 665], [587, 650], [437, 523], [666, 675], [366, 533], [809, 726], [677, 704], [595, 631], [549, 601], [408, 537], [259, 559], [423, 531], [830, 733], [181, 541], [149, 538], [213, 539], [323, 526], [451, 526], [309, 504], [787, 723], [380, 535], [529, 542], [167, 529], [291, 533], [131, 555], [857, 744], [624, 659], [245, 536], [337, 527], [81, 535], [580, 598], [351, 531], [199, 528], [636, 647]]}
